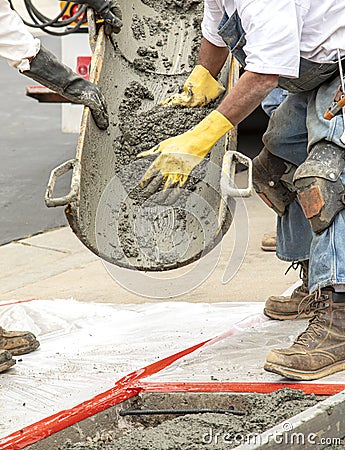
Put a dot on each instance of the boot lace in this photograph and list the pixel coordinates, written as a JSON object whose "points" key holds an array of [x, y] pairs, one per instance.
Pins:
{"points": [[316, 302], [303, 270]]}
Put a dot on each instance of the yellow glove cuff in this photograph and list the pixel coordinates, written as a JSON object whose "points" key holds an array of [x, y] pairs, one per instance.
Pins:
{"points": [[208, 132], [199, 89], [216, 123], [180, 154], [203, 83], [200, 76]]}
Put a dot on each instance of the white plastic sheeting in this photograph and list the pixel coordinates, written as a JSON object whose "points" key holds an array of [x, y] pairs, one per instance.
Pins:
{"points": [[87, 347], [235, 357]]}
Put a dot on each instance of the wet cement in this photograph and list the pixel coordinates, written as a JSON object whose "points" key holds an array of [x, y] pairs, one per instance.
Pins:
{"points": [[141, 131], [148, 232], [141, 209], [177, 6], [192, 432]]}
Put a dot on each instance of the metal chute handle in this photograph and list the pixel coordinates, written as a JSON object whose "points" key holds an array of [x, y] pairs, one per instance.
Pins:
{"points": [[74, 164], [50, 201], [227, 181]]}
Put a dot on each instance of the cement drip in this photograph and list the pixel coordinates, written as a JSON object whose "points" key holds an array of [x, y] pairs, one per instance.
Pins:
{"points": [[127, 226]]}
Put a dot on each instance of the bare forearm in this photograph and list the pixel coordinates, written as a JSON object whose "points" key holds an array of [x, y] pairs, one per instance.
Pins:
{"points": [[212, 57], [246, 95], [248, 92]]}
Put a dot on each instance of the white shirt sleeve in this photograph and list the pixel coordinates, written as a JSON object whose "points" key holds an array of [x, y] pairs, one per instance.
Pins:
{"points": [[272, 36], [17, 44], [213, 14]]}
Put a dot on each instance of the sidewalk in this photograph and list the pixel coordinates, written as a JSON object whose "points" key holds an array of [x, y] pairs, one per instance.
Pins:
{"points": [[55, 265]]}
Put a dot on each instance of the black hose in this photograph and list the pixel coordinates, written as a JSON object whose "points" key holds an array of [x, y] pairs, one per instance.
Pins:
{"points": [[44, 23]]}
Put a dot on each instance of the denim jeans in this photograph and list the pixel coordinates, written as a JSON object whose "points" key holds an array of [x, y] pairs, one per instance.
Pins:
{"points": [[273, 100], [294, 127]]}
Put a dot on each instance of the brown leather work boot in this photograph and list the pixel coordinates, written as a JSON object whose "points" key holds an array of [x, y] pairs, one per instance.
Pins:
{"points": [[6, 360], [320, 350], [284, 308], [18, 342]]}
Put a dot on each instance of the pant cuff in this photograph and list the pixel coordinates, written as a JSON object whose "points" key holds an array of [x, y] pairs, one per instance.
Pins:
{"points": [[292, 259], [313, 287]]}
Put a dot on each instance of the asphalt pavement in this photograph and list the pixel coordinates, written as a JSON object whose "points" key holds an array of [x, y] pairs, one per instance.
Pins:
{"points": [[32, 144]]}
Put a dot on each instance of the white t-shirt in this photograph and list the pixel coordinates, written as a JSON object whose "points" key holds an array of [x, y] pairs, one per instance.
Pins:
{"points": [[279, 32]]}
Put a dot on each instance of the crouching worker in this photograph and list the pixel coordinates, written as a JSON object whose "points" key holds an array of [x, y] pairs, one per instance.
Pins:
{"points": [[300, 172]]}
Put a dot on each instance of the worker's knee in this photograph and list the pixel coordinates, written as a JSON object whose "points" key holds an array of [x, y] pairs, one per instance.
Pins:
{"points": [[320, 190], [272, 180]]}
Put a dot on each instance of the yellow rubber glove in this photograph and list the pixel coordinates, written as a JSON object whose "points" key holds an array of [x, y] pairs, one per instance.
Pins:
{"points": [[199, 89], [180, 154]]}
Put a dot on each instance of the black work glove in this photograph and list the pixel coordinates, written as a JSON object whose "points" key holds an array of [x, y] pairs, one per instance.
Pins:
{"points": [[109, 10]]}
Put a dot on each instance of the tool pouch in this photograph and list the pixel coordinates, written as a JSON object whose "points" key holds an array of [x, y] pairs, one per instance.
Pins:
{"points": [[272, 177], [320, 190]]}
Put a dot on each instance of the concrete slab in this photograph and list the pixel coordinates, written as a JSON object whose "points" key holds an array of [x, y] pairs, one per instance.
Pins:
{"points": [[22, 264]]}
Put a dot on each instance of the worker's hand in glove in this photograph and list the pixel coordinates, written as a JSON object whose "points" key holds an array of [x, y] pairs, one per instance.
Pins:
{"points": [[199, 89], [46, 69], [109, 10], [177, 156]]}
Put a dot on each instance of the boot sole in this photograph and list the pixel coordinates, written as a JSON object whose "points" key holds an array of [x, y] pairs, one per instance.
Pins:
{"points": [[298, 375], [267, 248], [275, 316]]}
